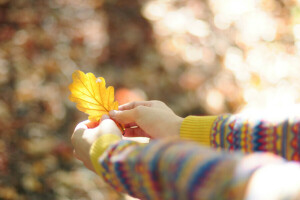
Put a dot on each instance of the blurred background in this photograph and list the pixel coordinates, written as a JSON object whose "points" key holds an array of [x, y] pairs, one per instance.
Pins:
{"points": [[199, 57]]}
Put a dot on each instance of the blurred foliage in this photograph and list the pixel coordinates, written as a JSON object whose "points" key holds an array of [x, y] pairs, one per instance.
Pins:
{"points": [[200, 57]]}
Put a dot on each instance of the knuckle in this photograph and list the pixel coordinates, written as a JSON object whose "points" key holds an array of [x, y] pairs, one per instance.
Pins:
{"points": [[133, 104]]}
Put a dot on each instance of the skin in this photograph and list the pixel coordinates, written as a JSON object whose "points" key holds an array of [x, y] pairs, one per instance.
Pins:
{"points": [[86, 133], [155, 120], [152, 119]]}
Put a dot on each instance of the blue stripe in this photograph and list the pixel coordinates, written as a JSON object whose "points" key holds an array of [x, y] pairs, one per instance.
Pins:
{"points": [[154, 148], [122, 176], [200, 174], [284, 137], [256, 135], [222, 132], [183, 160], [237, 133]]}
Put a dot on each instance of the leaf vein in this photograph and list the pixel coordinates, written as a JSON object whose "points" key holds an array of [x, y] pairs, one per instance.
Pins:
{"points": [[85, 94], [101, 96], [96, 109], [90, 92], [87, 101]]}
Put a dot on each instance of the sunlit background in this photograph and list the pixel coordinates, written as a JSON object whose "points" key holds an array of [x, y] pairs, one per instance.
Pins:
{"points": [[200, 57]]}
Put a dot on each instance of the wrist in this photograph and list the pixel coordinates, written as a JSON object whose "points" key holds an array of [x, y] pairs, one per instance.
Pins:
{"points": [[197, 128]]}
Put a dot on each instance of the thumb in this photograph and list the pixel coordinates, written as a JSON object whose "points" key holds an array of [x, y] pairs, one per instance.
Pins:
{"points": [[123, 117]]}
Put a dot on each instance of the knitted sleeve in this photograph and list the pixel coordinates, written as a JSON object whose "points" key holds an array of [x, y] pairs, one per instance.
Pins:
{"points": [[197, 128], [169, 169], [233, 132]]}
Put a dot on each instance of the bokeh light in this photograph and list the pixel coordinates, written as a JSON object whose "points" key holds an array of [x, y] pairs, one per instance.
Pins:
{"points": [[199, 57]]}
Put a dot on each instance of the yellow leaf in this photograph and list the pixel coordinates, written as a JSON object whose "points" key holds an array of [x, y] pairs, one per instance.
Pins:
{"points": [[91, 95]]}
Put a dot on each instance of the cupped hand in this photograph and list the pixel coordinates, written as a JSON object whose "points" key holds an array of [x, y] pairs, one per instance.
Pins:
{"points": [[152, 119], [86, 133]]}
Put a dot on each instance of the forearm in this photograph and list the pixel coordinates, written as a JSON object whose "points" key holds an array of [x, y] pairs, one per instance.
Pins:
{"points": [[239, 133], [233, 132], [179, 170]]}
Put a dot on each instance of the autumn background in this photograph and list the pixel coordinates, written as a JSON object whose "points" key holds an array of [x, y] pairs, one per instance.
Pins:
{"points": [[200, 57]]}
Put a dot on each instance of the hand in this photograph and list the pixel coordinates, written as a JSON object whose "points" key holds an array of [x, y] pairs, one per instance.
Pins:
{"points": [[83, 137], [152, 119]]}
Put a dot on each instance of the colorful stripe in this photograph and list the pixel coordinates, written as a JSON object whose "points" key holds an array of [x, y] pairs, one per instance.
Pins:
{"points": [[173, 169], [233, 132]]}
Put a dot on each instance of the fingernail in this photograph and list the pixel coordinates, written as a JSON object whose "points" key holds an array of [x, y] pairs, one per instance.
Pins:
{"points": [[112, 113], [104, 117]]}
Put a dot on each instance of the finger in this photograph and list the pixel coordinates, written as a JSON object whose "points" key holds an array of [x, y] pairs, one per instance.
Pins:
{"points": [[78, 132], [90, 124], [107, 123], [123, 117], [135, 132], [108, 126], [131, 105]]}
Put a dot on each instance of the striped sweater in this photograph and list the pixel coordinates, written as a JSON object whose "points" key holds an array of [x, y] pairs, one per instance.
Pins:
{"points": [[179, 169]]}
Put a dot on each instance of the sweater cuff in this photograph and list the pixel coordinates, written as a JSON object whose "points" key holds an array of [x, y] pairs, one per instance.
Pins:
{"points": [[197, 129], [99, 146]]}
